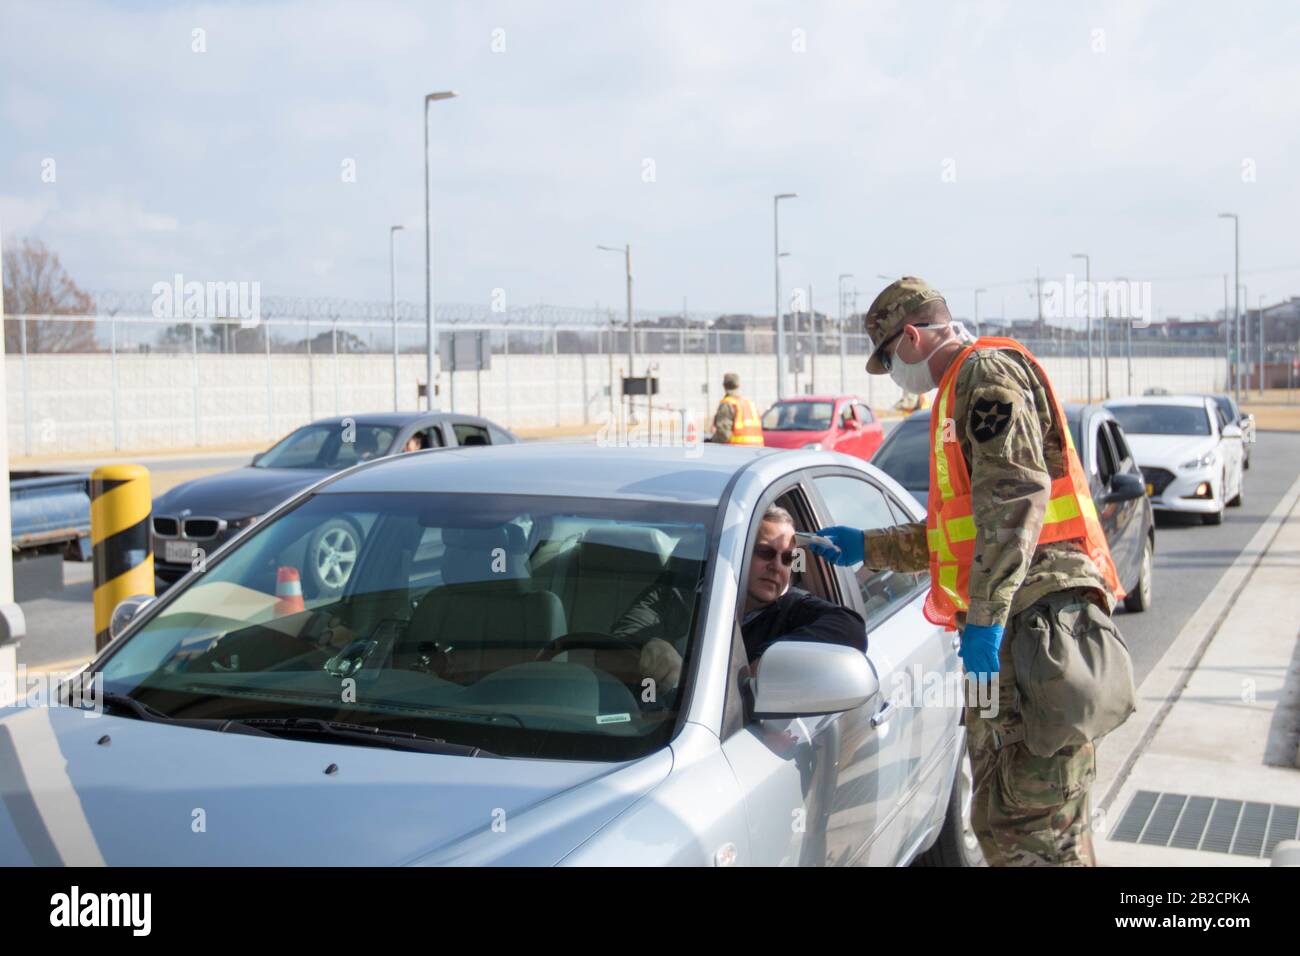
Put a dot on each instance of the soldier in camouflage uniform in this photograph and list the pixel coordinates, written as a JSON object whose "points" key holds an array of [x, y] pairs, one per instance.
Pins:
{"points": [[1027, 810]]}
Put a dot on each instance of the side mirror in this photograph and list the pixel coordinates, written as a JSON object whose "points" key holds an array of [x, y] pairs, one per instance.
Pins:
{"points": [[808, 678], [125, 612], [1126, 487], [1231, 431], [852, 424]]}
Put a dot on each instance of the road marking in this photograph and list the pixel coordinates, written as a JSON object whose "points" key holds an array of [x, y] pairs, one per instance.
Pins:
{"points": [[1119, 751]]}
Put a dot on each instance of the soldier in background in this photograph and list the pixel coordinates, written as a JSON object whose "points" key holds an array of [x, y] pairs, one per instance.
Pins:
{"points": [[736, 421], [1002, 565]]}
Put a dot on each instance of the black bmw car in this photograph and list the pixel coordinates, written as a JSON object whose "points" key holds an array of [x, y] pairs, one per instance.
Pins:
{"points": [[195, 518], [1115, 479]]}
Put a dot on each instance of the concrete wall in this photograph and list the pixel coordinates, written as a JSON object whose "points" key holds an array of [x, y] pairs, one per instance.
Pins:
{"points": [[65, 403]]}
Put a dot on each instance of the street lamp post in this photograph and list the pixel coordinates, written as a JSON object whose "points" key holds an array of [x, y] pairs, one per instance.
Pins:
{"points": [[1236, 301], [430, 332], [977, 311], [631, 335], [392, 298], [1087, 278], [844, 355], [1263, 355], [776, 268]]}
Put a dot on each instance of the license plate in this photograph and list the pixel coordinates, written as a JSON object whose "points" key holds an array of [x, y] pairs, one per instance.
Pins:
{"points": [[1151, 490], [178, 552]]}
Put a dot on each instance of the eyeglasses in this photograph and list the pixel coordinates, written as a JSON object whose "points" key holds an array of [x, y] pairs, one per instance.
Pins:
{"points": [[765, 552], [886, 356]]}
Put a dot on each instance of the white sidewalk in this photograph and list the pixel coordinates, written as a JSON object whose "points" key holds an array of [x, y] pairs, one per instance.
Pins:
{"points": [[1237, 712]]}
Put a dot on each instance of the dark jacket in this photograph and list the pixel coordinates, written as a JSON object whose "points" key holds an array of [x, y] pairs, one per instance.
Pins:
{"points": [[800, 616], [663, 611]]}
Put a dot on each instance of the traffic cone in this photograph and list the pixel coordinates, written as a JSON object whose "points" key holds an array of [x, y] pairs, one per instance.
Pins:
{"points": [[288, 591]]}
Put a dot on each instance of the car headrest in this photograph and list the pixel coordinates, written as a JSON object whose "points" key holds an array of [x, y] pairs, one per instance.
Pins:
{"points": [[623, 550], [484, 554]]}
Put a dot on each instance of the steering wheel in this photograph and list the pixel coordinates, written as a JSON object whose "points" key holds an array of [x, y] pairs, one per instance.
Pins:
{"points": [[628, 673]]}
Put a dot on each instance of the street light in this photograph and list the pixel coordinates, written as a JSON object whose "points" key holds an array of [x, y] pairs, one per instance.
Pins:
{"points": [[1087, 265], [1263, 356], [428, 245], [977, 311], [1236, 300], [776, 268], [392, 298], [843, 337], [626, 252]]}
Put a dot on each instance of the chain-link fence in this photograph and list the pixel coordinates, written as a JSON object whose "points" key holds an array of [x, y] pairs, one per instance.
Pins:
{"points": [[125, 379]]}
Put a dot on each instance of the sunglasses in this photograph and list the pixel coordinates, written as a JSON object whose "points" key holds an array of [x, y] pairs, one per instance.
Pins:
{"points": [[765, 552], [886, 356]]}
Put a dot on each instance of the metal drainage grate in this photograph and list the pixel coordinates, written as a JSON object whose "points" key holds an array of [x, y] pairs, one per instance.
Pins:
{"points": [[1176, 820]]}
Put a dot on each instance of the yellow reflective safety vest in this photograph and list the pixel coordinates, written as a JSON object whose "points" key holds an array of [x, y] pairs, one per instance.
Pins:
{"points": [[747, 430], [950, 523]]}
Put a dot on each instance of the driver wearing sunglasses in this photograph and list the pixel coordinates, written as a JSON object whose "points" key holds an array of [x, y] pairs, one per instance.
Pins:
{"points": [[773, 611]]}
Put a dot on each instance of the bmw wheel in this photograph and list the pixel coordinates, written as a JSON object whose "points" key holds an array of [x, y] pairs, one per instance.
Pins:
{"points": [[331, 554]]}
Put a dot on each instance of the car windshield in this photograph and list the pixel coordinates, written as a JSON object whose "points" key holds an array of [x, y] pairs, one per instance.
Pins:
{"points": [[329, 447], [509, 623], [798, 417], [905, 456], [1162, 419]]}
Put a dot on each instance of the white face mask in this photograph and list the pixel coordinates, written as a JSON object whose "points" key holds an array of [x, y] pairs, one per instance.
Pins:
{"points": [[914, 377]]}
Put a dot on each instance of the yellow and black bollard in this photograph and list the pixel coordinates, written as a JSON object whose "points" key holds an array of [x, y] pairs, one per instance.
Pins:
{"points": [[120, 507]]}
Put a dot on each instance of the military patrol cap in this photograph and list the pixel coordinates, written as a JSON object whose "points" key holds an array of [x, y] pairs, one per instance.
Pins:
{"points": [[731, 381], [894, 308]]}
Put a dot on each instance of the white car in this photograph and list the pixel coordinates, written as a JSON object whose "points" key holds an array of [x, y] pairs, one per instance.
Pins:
{"points": [[1189, 452]]}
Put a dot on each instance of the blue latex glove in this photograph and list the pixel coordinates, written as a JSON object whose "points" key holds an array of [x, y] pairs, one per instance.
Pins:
{"points": [[979, 648], [848, 542]]}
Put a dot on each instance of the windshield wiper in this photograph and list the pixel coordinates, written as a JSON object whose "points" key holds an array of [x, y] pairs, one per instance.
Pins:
{"points": [[362, 734], [145, 712]]}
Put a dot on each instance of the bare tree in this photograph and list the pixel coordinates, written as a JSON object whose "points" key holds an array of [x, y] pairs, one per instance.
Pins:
{"points": [[35, 283]]}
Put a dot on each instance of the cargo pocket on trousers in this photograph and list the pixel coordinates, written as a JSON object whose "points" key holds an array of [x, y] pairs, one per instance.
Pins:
{"points": [[1031, 782]]}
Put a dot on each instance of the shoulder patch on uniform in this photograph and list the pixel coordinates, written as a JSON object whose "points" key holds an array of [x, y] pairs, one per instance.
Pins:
{"points": [[989, 418]]}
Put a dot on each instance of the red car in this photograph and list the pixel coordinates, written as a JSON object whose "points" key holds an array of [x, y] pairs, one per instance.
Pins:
{"points": [[840, 423]]}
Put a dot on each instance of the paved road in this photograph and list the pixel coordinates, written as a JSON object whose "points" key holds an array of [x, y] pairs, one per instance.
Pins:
{"points": [[1190, 559]]}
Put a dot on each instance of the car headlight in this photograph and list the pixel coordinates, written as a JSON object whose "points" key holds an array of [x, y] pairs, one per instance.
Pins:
{"points": [[1203, 462], [814, 445]]}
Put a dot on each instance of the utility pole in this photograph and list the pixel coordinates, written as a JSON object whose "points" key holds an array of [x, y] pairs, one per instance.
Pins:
{"points": [[776, 268], [1087, 265], [1236, 299], [1038, 285]]}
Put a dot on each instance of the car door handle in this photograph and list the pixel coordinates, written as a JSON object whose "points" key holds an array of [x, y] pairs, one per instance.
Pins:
{"points": [[881, 717]]}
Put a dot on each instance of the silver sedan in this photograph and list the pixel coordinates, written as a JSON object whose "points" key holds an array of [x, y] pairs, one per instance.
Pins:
{"points": [[475, 695]]}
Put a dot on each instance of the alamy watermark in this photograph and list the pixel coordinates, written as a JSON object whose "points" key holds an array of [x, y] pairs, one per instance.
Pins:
{"points": [[1078, 299], [75, 689], [179, 299]]}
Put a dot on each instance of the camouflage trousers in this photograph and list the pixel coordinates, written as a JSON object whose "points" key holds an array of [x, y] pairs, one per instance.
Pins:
{"points": [[1026, 810]]}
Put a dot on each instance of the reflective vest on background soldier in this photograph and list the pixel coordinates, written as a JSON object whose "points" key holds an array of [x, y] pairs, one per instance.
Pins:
{"points": [[748, 429], [950, 523]]}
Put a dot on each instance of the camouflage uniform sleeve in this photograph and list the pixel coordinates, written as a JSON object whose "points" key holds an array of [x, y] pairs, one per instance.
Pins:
{"points": [[901, 548], [1010, 487], [723, 422]]}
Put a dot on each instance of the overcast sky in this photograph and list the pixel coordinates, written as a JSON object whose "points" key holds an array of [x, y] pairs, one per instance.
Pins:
{"points": [[968, 145]]}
